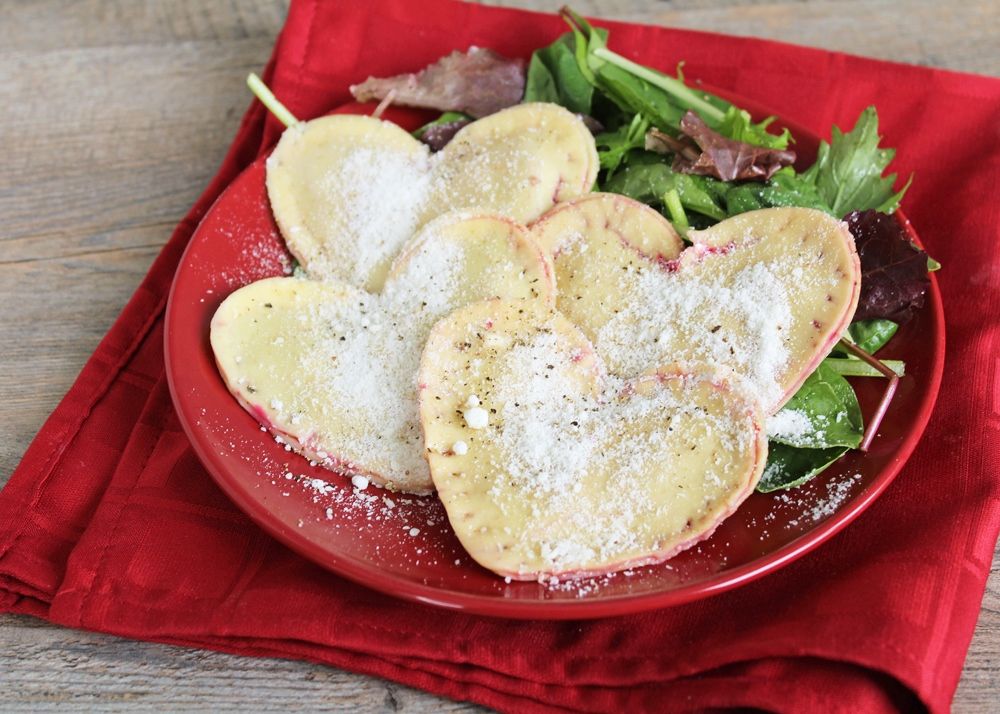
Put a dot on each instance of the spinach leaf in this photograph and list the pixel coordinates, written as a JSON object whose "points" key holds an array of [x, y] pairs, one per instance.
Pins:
{"points": [[637, 97], [824, 412], [848, 171], [786, 189], [744, 197], [788, 466], [554, 75], [817, 426], [660, 98], [647, 177], [872, 335], [701, 194], [783, 189]]}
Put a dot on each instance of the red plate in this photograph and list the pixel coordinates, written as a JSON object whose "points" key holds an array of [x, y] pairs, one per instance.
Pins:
{"points": [[316, 513]]}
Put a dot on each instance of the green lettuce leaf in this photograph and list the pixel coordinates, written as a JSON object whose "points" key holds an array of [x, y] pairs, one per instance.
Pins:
{"points": [[788, 466], [824, 412], [661, 99], [785, 189], [647, 177], [848, 171], [820, 423], [872, 335], [554, 75], [737, 124]]}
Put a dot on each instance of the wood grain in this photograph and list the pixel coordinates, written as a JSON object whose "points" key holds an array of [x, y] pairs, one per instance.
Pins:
{"points": [[116, 113]]}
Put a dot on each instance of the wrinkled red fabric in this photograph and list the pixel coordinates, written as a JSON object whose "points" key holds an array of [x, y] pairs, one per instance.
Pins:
{"points": [[110, 523]]}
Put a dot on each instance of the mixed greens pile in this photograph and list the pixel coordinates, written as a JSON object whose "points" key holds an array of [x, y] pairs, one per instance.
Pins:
{"points": [[699, 159]]}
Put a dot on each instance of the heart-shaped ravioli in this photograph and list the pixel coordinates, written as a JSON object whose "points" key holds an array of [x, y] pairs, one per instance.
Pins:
{"points": [[332, 369], [766, 293], [348, 191], [547, 467]]}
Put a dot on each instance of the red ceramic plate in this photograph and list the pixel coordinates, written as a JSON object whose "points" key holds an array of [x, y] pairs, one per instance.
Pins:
{"points": [[409, 550]]}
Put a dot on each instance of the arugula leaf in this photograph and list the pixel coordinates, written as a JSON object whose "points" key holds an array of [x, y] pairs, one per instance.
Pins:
{"points": [[613, 146], [848, 171], [554, 75], [824, 412], [788, 466]]}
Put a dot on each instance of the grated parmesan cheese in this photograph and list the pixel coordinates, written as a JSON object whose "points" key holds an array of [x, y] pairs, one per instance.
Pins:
{"points": [[702, 316], [358, 192], [476, 418], [789, 425]]}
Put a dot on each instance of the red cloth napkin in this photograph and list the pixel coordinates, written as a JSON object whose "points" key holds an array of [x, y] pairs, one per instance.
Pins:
{"points": [[110, 523]]}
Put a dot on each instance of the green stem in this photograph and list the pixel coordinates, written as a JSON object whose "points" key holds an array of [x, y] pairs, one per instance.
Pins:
{"points": [[856, 368], [267, 98], [672, 200], [669, 85]]}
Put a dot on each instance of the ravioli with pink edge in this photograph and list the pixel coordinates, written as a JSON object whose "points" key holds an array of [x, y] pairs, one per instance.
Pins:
{"points": [[765, 294], [332, 369], [548, 467], [348, 191]]}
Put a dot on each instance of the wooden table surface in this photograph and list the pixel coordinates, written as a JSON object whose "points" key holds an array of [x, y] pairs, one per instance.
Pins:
{"points": [[115, 115]]}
